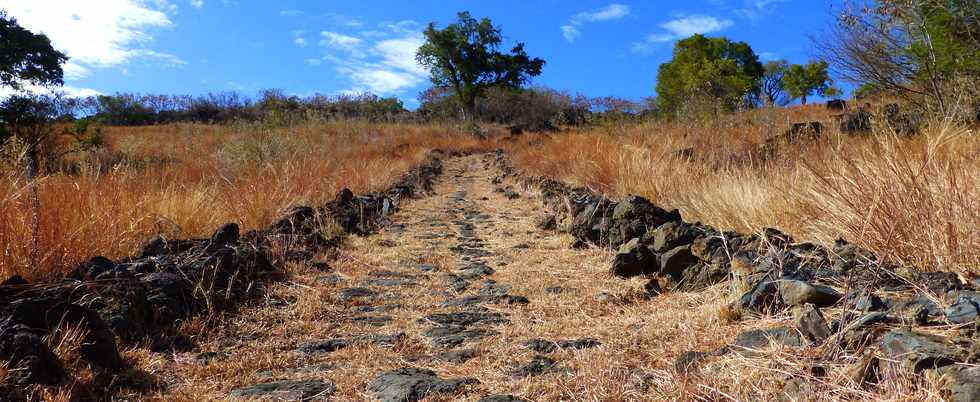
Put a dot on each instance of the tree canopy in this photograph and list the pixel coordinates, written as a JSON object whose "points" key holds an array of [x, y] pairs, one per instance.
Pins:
{"points": [[26, 57], [772, 86], [465, 57], [803, 80], [712, 72]]}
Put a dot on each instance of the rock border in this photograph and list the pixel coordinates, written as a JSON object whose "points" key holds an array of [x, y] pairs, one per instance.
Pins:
{"points": [[773, 274], [141, 298]]}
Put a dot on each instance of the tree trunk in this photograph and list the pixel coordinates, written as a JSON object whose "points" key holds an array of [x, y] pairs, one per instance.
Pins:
{"points": [[803, 99], [469, 108]]}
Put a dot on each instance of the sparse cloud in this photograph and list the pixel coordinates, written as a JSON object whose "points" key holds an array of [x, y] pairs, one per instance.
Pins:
{"points": [[67, 90], [572, 31], [753, 10], [339, 41], [767, 56], [681, 28], [401, 27], [197, 3], [340, 20], [291, 13], [378, 61], [299, 38], [388, 68], [98, 34], [687, 26], [608, 13]]}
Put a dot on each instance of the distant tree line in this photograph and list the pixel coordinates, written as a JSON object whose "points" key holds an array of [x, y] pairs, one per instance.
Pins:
{"points": [[535, 108], [272, 107]]}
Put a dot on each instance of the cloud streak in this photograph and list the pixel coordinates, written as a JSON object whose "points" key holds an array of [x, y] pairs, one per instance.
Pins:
{"points": [[681, 28], [339, 41], [572, 30], [381, 62]]}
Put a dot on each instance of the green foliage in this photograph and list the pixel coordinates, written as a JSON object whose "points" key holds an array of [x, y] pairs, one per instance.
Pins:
{"points": [[273, 109], [867, 90], [123, 109], [925, 51], [708, 73], [948, 42], [27, 57], [465, 57], [29, 118], [772, 86], [86, 134], [808, 79]]}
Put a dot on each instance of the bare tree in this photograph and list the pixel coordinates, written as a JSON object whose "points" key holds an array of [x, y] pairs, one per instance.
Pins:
{"points": [[915, 49]]}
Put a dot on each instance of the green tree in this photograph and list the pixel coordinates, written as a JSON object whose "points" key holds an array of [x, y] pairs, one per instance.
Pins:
{"points": [[926, 51], [465, 56], [716, 71], [772, 86], [26, 57], [808, 79]]}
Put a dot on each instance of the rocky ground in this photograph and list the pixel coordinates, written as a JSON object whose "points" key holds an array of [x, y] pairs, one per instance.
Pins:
{"points": [[498, 287]]}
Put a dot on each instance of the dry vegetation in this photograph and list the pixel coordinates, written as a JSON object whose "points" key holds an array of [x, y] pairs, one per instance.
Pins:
{"points": [[914, 200], [186, 180], [640, 336]]}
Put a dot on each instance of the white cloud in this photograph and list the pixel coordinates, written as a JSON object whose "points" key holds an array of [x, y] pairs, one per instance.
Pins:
{"points": [[608, 13], [682, 28], [97, 34], [74, 71], [339, 41], [401, 27], [393, 69], [753, 10], [400, 53], [695, 24], [291, 13], [767, 56], [197, 3], [571, 31], [67, 90], [380, 81], [313, 62], [300, 41]]}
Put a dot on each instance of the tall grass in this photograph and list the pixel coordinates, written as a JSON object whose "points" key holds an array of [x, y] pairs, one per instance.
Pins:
{"points": [[185, 180], [913, 200]]}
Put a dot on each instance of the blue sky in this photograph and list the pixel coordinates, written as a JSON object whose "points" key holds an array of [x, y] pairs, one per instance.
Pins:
{"points": [[597, 48]]}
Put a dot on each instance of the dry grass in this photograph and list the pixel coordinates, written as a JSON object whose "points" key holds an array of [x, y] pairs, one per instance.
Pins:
{"points": [[913, 200], [640, 337], [186, 180]]}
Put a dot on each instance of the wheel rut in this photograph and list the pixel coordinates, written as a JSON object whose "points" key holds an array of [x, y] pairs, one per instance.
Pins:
{"points": [[459, 297]]}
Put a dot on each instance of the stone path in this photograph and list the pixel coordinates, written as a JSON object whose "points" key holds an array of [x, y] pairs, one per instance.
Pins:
{"points": [[460, 297]]}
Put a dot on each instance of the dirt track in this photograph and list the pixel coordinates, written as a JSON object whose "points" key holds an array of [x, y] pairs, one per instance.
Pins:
{"points": [[462, 283]]}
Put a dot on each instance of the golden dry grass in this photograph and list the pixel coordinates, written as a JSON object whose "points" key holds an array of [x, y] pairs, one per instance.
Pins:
{"points": [[640, 337], [912, 200], [185, 180]]}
